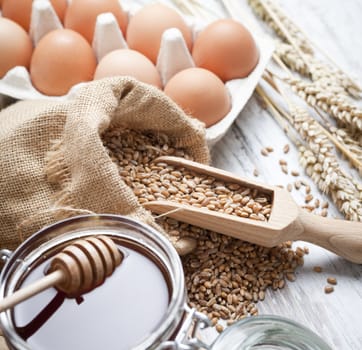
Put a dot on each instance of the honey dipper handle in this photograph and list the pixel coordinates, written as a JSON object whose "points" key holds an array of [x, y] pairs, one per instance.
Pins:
{"points": [[339, 236], [31, 290]]}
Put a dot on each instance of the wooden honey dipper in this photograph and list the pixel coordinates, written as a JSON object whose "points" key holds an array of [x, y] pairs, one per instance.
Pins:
{"points": [[77, 269]]}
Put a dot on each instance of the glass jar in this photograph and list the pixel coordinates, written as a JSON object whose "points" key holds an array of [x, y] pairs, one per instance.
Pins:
{"points": [[142, 305], [137, 288], [267, 332]]}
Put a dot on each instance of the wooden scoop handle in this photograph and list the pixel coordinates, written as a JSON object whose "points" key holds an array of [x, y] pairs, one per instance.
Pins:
{"points": [[339, 236], [77, 269]]}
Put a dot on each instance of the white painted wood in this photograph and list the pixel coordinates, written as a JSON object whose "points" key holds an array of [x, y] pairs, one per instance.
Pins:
{"points": [[336, 317]]}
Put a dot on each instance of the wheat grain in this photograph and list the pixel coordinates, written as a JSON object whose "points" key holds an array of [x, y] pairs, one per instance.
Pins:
{"points": [[318, 158], [290, 57], [232, 276], [294, 173], [324, 212], [332, 280], [328, 289], [225, 277], [344, 140], [297, 185], [332, 79], [264, 152], [353, 146], [286, 148]]}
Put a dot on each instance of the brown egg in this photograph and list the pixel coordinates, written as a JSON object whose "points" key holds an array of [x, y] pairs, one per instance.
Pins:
{"points": [[146, 27], [15, 46], [200, 93], [226, 48], [128, 62], [20, 10], [61, 59], [81, 15]]}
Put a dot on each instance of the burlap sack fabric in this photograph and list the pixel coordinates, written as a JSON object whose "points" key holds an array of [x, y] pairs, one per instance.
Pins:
{"points": [[53, 162]]}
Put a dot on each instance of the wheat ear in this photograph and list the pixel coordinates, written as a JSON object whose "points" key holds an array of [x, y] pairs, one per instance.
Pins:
{"points": [[324, 74], [261, 9], [286, 29], [338, 106], [318, 159]]}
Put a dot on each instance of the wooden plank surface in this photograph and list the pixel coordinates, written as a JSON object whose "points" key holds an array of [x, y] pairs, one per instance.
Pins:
{"points": [[336, 317], [336, 26]]}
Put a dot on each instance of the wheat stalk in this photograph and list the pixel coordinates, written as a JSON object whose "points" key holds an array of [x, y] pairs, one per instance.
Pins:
{"points": [[321, 72], [347, 141], [340, 138], [318, 159], [332, 79], [325, 98], [186, 7], [272, 14], [329, 177], [351, 136], [338, 106], [259, 7], [312, 132], [297, 55], [351, 86]]}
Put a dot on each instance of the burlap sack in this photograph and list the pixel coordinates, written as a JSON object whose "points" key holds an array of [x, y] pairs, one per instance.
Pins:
{"points": [[53, 162]]}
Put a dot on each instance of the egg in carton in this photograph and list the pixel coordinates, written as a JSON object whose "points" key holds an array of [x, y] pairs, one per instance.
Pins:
{"points": [[173, 57]]}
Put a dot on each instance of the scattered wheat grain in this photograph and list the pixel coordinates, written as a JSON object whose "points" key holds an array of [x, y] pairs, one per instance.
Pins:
{"points": [[328, 289], [324, 212], [219, 328], [308, 198], [219, 266], [264, 152], [297, 185], [332, 280]]}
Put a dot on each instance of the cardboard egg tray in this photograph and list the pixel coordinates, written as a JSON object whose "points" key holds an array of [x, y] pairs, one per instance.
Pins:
{"points": [[173, 57]]}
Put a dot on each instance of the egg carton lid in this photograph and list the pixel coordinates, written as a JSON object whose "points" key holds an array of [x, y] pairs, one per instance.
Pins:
{"points": [[173, 57]]}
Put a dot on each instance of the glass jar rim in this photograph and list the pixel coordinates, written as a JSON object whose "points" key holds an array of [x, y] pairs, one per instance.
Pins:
{"points": [[253, 332], [177, 298]]}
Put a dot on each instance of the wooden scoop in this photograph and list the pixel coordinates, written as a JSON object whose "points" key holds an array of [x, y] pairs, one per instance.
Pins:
{"points": [[77, 269], [286, 222]]}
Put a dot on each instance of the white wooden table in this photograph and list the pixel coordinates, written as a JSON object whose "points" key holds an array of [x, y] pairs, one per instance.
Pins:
{"points": [[337, 317]]}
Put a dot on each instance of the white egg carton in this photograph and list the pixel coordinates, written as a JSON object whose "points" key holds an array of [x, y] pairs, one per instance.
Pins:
{"points": [[173, 57]]}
